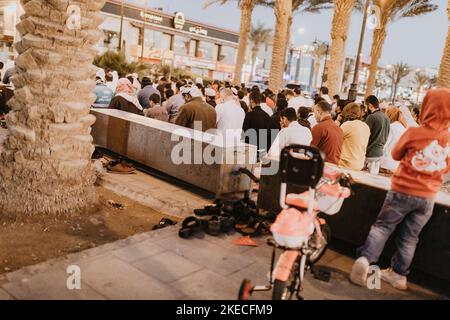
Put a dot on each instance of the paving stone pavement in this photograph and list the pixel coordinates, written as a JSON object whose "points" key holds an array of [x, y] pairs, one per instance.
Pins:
{"points": [[159, 265]]}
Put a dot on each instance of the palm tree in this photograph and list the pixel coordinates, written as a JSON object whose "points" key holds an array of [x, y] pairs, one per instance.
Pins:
{"points": [[444, 71], [260, 35], [318, 53], [396, 74], [246, 7], [421, 80], [284, 20], [392, 10], [45, 166], [339, 30], [283, 13]]}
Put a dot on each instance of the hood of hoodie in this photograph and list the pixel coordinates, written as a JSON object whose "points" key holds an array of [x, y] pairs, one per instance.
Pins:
{"points": [[435, 111]]}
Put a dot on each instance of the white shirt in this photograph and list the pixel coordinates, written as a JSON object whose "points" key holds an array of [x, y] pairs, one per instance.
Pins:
{"points": [[298, 102], [408, 117], [313, 121], [267, 109], [327, 98], [294, 134], [230, 119], [397, 130]]}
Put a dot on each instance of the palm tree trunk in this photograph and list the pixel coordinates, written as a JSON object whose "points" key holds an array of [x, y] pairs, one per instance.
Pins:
{"points": [[379, 37], [247, 7], [339, 30], [444, 71], [46, 167], [283, 12], [316, 71], [254, 56]]}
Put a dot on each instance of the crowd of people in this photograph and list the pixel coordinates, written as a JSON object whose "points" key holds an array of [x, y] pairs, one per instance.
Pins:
{"points": [[352, 135]]}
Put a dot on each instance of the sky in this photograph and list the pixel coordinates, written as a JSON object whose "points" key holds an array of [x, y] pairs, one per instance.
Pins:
{"points": [[417, 41]]}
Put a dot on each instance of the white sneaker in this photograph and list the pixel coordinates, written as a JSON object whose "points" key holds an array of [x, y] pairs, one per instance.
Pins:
{"points": [[359, 272], [394, 279]]}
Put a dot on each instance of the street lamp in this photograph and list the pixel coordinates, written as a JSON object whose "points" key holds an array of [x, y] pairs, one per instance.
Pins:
{"points": [[353, 92], [316, 44], [143, 29], [122, 13]]}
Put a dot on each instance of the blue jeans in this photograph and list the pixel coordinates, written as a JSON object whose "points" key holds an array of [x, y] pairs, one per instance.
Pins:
{"points": [[412, 213]]}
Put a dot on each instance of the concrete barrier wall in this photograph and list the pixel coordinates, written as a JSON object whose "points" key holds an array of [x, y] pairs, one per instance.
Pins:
{"points": [[154, 144]]}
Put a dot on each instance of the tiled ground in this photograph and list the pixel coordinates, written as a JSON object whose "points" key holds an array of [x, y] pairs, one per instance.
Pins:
{"points": [[160, 265]]}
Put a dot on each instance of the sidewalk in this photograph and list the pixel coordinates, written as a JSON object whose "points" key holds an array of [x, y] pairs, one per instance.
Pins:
{"points": [[160, 265]]}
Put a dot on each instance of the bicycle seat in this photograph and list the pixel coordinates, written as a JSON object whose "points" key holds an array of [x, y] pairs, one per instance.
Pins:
{"points": [[302, 165]]}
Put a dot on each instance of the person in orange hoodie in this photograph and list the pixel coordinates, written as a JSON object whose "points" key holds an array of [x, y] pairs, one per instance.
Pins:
{"points": [[424, 155]]}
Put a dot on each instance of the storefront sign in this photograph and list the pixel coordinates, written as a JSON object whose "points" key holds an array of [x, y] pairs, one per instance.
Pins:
{"points": [[184, 61], [179, 20], [198, 30], [151, 17]]}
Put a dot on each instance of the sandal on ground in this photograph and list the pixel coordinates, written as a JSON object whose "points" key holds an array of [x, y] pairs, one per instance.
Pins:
{"points": [[120, 167], [213, 226], [189, 227], [227, 223], [208, 211], [257, 229], [164, 223]]}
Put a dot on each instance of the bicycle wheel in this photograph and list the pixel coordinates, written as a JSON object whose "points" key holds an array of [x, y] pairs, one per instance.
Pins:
{"points": [[284, 290], [320, 251]]}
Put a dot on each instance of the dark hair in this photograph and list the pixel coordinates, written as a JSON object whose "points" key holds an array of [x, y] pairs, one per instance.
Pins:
{"points": [[303, 113], [373, 101], [131, 79], [324, 106], [179, 85], [290, 114], [167, 86], [342, 104], [336, 97], [256, 97], [155, 98], [163, 79], [169, 93], [282, 104], [324, 90], [146, 81], [241, 94], [1, 65], [318, 99], [298, 91], [416, 111], [255, 88], [108, 77]]}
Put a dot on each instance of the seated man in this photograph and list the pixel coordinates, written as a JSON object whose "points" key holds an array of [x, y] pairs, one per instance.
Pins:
{"points": [[292, 132], [156, 111], [103, 94], [327, 136], [196, 110]]}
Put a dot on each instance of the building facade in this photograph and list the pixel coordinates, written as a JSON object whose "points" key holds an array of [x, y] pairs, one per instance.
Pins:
{"points": [[170, 39]]}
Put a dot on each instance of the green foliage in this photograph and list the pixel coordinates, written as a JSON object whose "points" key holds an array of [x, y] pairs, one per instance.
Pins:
{"points": [[112, 60], [260, 35]]}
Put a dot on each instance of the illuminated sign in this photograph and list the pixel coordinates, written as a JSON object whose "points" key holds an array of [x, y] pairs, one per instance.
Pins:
{"points": [[198, 30], [151, 17], [179, 20]]}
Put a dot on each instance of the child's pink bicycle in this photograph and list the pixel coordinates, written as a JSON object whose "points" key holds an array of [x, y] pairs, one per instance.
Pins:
{"points": [[297, 231]]}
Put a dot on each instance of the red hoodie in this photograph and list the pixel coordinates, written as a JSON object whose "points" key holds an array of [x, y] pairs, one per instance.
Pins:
{"points": [[424, 152]]}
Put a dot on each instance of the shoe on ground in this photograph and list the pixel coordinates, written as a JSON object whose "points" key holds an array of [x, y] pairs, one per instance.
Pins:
{"points": [[359, 272], [394, 279], [121, 168]]}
